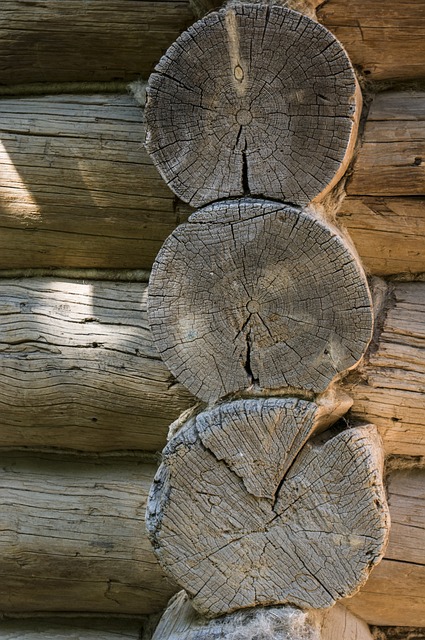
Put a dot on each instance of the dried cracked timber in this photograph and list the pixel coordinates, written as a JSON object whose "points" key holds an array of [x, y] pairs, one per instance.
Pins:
{"points": [[257, 295], [307, 532], [252, 100]]}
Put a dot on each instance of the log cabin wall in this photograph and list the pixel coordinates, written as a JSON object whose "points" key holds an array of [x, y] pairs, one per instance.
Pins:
{"points": [[85, 400]]}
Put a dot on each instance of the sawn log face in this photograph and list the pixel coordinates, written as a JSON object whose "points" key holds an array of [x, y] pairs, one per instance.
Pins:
{"points": [[311, 540]]}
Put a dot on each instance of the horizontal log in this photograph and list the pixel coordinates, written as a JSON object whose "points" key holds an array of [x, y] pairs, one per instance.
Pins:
{"points": [[391, 392], [72, 539], [72, 536], [75, 40], [79, 190], [389, 233], [71, 629], [391, 160], [384, 39], [78, 369]]}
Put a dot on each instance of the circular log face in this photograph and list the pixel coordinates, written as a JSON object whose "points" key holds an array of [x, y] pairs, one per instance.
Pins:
{"points": [[269, 297], [252, 100], [307, 532]]}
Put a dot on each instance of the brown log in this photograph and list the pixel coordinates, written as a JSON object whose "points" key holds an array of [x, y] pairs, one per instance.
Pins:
{"points": [[72, 538], [61, 155], [181, 622], [303, 541], [74, 628], [392, 386], [254, 294], [78, 189], [385, 40], [78, 41], [389, 233], [391, 160], [78, 368], [264, 101]]}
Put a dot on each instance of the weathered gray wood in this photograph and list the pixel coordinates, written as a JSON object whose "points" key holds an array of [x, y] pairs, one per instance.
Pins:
{"points": [[309, 544], [391, 160], [252, 100], [76, 40], [77, 188], [181, 622], [388, 232], [78, 368], [72, 536], [71, 629], [258, 295], [385, 40], [389, 390]]}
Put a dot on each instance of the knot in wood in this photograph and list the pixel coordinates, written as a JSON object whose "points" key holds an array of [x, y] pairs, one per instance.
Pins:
{"points": [[243, 513], [257, 294], [252, 99]]}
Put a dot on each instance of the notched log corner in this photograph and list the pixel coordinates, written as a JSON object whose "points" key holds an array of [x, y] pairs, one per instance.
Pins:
{"points": [[243, 513], [262, 296], [252, 99]]}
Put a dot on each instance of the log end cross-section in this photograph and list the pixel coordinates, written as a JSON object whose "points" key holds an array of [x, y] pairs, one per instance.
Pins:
{"points": [[257, 295], [306, 532], [253, 100]]}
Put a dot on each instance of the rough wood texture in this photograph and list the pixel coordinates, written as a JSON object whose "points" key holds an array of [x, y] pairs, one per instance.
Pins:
{"points": [[78, 189], [385, 39], [257, 294], [71, 536], [78, 369], [70, 629], [395, 591], [181, 622], [75, 40], [252, 100], [309, 544], [391, 160], [393, 378], [389, 233]]}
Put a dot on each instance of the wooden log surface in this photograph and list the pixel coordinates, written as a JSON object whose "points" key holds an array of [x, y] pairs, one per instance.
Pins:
{"points": [[79, 41], [88, 628], [60, 156], [252, 294], [392, 380], [71, 40], [384, 40], [235, 539], [278, 122], [72, 536], [48, 328], [181, 622], [72, 539], [78, 368], [391, 160]]}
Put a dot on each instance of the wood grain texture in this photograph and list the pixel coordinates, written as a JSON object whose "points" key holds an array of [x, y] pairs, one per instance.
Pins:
{"points": [[71, 536], [388, 232], [391, 392], [386, 40], [391, 160], [78, 368], [181, 622], [71, 629], [75, 40], [255, 294], [252, 100], [78, 189], [309, 544]]}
